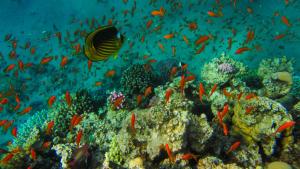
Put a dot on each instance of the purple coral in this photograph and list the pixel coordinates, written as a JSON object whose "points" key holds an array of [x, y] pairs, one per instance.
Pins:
{"points": [[116, 97], [226, 68]]}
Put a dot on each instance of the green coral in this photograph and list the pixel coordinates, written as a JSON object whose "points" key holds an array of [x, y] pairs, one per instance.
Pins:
{"points": [[212, 75]]}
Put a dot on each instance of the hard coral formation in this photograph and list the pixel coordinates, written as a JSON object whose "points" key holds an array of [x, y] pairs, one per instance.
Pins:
{"points": [[164, 123], [135, 79], [215, 163], [277, 76], [222, 70], [258, 125]]}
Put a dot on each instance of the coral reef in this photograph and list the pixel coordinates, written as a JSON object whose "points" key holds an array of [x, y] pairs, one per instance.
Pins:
{"points": [[65, 152], [222, 70], [277, 76], [261, 122], [135, 79], [215, 163]]}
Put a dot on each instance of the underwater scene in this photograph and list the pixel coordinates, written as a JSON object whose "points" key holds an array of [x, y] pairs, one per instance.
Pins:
{"points": [[150, 84]]}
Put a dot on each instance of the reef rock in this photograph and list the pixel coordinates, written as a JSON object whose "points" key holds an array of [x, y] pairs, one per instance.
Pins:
{"points": [[277, 76], [215, 163], [261, 122]]}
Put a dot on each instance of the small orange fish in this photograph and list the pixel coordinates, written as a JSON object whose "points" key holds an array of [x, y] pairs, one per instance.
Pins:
{"points": [[220, 118], [7, 158], [78, 137], [182, 84], [212, 14], [185, 39], [225, 110], [225, 129], [190, 78], [25, 110], [64, 61], [98, 84], [160, 12], [12, 54], [139, 99], [249, 109], [173, 72], [201, 92], [202, 39], [132, 122], [90, 65], [201, 49], [8, 125], [193, 26], [149, 23], [32, 50], [286, 21], [284, 126], [189, 156], [110, 73], [68, 98], [251, 96], [233, 147], [46, 60], [51, 100], [4, 101], [21, 65], [242, 50], [77, 48], [249, 10], [49, 127], [169, 36], [226, 93], [46, 144], [250, 36], [161, 46], [14, 131], [9, 68], [168, 95], [33, 154], [148, 91], [170, 154], [280, 36], [213, 89]]}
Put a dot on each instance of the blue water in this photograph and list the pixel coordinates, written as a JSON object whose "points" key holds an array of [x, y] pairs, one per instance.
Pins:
{"points": [[37, 22]]}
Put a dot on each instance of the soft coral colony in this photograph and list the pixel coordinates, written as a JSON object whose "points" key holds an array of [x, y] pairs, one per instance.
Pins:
{"points": [[224, 120]]}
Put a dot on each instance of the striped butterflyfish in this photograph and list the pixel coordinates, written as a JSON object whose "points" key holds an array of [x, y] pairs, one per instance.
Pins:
{"points": [[102, 43]]}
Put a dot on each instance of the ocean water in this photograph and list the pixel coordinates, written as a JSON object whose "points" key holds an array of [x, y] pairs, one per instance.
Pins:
{"points": [[37, 23]]}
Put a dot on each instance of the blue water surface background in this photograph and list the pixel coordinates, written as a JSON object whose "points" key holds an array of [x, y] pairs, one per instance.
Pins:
{"points": [[37, 21]]}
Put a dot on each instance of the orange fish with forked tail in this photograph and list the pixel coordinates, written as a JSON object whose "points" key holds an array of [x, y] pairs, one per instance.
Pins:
{"points": [[160, 12]]}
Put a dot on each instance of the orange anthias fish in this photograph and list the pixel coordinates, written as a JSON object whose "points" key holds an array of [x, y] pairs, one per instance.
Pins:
{"points": [[251, 96], [7, 158], [280, 36], [170, 154], [249, 109], [51, 100], [78, 137], [4, 101], [225, 129], [202, 39], [46, 144], [190, 78], [33, 154], [201, 49], [50, 125], [225, 110], [46, 60], [168, 95], [189, 156], [90, 65], [110, 73], [132, 122], [212, 14], [182, 84], [213, 89], [233, 147], [14, 131], [250, 36], [169, 36], [139, 99], [9, 68], [68, 98], [284, 126], [149, 23], [286, 21], [148, 91], [193, 26], [161, 46], [64, 61], [185, 39], [201, 92], [160, 12], [32, 50], [21, 65], [242, 50], [173, 72], [77, 48], [25, 110]]}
